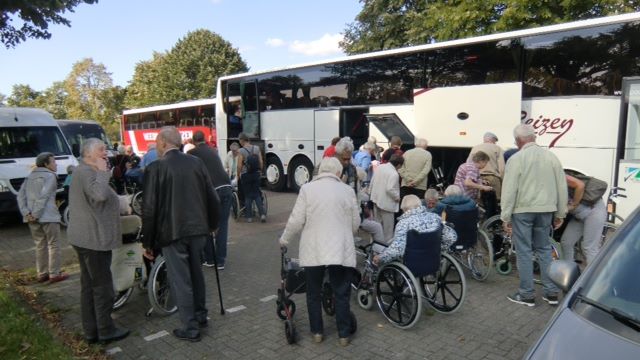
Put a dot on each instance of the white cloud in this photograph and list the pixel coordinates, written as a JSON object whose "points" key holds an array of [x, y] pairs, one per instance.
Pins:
{"points": [[326, 45], [275, 42]]}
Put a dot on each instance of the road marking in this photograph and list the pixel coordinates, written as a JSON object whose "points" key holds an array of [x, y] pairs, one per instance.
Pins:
{"points": [[237, 308], [268, 298], [156, 335], [114, 350]]}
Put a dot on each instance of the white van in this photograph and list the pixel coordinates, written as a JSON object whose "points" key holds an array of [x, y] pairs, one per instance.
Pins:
{"points": [[25, 133]]}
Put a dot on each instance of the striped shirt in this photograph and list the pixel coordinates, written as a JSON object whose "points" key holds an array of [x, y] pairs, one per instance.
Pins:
{"points": [[468, 170]]}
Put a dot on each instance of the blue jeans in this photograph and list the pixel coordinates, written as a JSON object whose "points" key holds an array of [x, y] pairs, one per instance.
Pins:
{"points": [[226, 197], [531, 233], [340, 278], [250, 184]]}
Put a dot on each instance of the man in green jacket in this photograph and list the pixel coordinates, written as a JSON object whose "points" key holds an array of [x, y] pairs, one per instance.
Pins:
{"points": [[534, 198]]}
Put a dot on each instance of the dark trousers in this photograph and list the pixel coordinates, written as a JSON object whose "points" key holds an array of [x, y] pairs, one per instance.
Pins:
{"points": [[184, 267], [408, 190], [340, 278], [96, 293], [226, 197], [251, 188]]}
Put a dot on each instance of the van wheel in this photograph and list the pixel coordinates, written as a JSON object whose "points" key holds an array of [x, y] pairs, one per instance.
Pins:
{"points": [[301, 173], [276, 179]]}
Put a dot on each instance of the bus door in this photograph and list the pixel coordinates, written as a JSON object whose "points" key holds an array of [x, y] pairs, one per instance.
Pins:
{"points": [[249, 104], [354, 124], [391, 125], [325, 128], [628, 174]]}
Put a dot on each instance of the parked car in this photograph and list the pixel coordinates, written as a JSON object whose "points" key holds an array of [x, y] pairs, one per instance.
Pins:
{"points": [[76, 131], [599, 317]]}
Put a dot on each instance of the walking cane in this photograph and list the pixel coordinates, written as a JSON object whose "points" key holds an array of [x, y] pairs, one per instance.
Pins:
{"points": [[215, 266]]}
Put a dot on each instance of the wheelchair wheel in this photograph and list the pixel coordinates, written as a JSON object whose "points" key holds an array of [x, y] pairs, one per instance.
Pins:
{"points": [[399, 295], [282, 307], [235, 206], [121, 298], [328, 300], [158, 289], [290, 331], [446, 290], [503, 266], [365, 299], [263, 195], [65, 216], [136, 203], [480, 257]]}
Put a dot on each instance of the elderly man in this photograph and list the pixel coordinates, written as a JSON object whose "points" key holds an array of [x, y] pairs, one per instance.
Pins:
{"points": [[94, 232], [181, 208], [534, 196], [385, 193], [417, 165], [344, 152], [493, 172]]}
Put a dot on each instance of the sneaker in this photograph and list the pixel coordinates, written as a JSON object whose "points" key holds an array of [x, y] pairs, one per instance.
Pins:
{"points": [[343, 341], [42, 278], [118, 334], [57, 278], [220, 266], [263, 218], [518, 299], [208, 264], [183, 335], [550, 299], [317, 338]]}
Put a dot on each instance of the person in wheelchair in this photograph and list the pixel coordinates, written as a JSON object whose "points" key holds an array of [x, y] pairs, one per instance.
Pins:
{"points": [[456, 200], [414, 217]]}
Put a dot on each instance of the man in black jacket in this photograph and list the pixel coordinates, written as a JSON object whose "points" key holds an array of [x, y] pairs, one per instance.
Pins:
{"points": [[222, 185], [181, 209]]}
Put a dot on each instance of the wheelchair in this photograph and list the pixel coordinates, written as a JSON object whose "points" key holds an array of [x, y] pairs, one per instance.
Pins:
{"points": [[238, 208], [128, 269], [473, 249], [425, 272], [504, 247]]}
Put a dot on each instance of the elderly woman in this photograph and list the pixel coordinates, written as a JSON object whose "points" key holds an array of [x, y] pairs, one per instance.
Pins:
{"points": [[327, 215], [431, 199], [94, 231], [415, 217], [455, 199]]}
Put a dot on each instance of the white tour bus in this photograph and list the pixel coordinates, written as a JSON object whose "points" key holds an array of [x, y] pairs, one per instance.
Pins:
{"points": [[578, 84], [25, 133]]}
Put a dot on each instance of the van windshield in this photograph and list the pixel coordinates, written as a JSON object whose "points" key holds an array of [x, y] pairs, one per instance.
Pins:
{"points": [[76, 134], [27, 142]]}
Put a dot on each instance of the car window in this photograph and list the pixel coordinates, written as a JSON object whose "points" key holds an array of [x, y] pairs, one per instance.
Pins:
{"points": [[25, 142], [616, 281]]}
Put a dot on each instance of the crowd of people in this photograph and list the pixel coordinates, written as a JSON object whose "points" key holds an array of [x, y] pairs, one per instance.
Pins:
{"points": [[187, 199]]}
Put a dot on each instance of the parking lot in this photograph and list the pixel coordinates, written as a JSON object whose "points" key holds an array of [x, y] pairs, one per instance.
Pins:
{"points": [[487, 326]]}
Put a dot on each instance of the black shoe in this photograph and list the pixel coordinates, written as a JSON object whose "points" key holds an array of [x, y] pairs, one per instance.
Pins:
{"points": [[203, 324], [518, 299], [182, 335], [550, 299], [91, 340], [118, 334]]}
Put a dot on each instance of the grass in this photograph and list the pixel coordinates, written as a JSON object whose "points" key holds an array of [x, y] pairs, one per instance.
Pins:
{"points": [[22, 336]]}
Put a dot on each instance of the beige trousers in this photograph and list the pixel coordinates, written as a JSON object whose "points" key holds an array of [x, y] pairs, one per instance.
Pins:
{"points": [[48, 256], [387, 220]]}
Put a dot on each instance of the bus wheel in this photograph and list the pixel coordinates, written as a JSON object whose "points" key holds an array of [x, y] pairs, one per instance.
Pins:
{"points": [[301, 173], [276, 179]]}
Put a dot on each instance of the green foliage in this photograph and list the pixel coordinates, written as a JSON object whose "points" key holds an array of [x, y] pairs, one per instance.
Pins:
{"points": [[23, 337], [22, 96], [34, 18], [188, 71], [387, 24]]}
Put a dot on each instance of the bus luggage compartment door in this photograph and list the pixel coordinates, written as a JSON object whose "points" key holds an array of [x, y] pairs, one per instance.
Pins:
{"points": [[459, 116]]}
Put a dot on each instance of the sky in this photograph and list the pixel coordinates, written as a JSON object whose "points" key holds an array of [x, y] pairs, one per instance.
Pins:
{"points": [[120, 33]]}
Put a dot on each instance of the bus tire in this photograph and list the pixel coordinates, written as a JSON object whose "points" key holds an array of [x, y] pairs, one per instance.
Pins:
{"points": [[301, 172], [274, 172]]}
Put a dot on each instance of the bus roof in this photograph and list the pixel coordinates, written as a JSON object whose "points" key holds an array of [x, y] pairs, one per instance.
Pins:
{"points": [[179, 105], [17, 117], [575, 25]]}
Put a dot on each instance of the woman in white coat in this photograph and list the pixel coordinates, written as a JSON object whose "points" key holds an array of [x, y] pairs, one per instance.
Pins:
{"points": [[327, 215]]}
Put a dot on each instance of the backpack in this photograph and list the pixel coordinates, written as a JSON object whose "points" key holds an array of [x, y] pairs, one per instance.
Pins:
{"points": [[251, 160], [594, 188]]}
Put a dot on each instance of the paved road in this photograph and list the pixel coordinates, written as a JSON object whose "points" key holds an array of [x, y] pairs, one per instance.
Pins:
{"points": [[488, 326]]}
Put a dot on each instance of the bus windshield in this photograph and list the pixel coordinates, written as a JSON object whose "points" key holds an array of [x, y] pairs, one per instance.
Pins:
{"points": [[26, 142]]}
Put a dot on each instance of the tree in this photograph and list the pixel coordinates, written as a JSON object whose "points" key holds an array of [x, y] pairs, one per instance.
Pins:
{"points": [[387, 24], [35, 16], [91, 95], [53, 100], [190, 70], [22, 96]]}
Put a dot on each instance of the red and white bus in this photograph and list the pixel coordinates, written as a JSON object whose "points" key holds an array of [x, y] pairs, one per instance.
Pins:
{"points": [[141, 126]]}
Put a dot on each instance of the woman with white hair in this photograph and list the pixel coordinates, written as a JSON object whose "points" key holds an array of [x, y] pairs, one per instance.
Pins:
{"points": [[363, 157], [455, 199], [326, 214], [415, 217]]}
